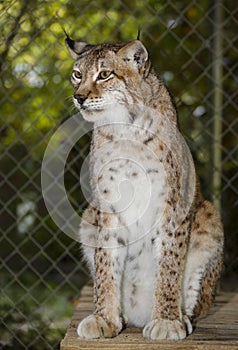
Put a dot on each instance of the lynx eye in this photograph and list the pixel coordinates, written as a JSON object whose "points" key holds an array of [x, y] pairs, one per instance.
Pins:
{"points": [[104, 74], [77, 75]]}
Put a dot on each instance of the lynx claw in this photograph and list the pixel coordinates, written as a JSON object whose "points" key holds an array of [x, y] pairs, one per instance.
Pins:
{"points": [[188, 324]]}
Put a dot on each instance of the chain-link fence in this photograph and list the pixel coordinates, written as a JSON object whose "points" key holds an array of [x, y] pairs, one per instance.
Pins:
{"points": [[193, 45]]}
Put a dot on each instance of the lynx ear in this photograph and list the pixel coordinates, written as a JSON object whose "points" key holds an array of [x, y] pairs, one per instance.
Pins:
{"points": [[134, 53], [76, 48]]}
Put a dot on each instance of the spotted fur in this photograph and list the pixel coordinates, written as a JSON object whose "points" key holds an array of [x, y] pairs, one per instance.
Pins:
{"points": [[153, 244]]}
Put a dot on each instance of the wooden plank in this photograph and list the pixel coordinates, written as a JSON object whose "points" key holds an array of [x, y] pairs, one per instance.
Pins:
{"points": [[217, 331]]}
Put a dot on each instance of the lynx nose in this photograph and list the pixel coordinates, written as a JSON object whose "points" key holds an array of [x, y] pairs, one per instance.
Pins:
{"points": [[80, 98]]}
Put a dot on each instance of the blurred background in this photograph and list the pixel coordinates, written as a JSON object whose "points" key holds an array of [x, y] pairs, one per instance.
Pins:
{"points": [[193, 46]]}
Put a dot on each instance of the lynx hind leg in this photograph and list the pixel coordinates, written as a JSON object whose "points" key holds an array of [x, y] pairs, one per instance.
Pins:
{"points": [[204, 261]]}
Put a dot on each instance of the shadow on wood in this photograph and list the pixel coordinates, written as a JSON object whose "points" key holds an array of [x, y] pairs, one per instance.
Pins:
{"points": [[217, 331]]}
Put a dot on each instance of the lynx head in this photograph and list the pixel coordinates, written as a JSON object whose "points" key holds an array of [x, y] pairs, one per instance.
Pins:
{"points": [[108, 77]]}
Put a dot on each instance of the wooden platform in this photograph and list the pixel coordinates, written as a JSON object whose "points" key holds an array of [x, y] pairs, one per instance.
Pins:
{"points": [[218, 331]]}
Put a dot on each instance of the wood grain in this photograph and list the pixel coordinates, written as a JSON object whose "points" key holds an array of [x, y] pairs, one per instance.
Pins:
{"points": [[217, 331]]}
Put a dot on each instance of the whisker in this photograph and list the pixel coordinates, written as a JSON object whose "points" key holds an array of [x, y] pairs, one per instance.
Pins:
{"points": [[72, 106], [67, 98]]}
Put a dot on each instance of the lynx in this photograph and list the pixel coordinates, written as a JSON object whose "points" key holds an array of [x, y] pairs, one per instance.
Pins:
{"points": [[153, 245]]}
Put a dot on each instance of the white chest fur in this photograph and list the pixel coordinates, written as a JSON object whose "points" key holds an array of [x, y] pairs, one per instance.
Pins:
{"points": [[129, 177]]}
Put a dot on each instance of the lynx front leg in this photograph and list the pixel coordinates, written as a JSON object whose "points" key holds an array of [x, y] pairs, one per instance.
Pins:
{"points": [[167, 320], [107, 320]]}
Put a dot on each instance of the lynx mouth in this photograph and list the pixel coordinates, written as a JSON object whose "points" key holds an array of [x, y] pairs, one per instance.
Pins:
{"points": [[88, 108], [91, 109], [91, 114]]}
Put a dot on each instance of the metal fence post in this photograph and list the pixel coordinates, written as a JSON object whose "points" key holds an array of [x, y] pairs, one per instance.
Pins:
{"points": [[217, 103]]}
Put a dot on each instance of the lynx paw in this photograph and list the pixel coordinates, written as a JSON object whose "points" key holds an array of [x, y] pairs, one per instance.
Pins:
{"points": [[160, 329], [95, 326]]}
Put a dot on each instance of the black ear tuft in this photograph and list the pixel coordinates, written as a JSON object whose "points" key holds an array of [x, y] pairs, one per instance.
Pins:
{"points": [[76, 48], [66, 34], [69, 42]]}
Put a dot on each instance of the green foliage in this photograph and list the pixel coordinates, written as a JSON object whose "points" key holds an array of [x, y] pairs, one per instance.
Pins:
{"points": [[33, 327]]}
